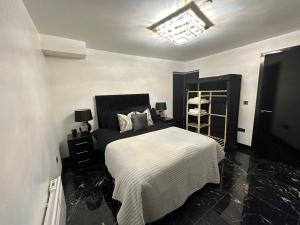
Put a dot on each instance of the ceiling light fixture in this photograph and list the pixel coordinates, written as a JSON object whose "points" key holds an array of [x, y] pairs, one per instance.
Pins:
{"points": [[206, 3], [183, 25]]}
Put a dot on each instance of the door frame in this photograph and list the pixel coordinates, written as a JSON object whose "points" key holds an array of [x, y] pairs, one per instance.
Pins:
{"points": [[259, 90]]}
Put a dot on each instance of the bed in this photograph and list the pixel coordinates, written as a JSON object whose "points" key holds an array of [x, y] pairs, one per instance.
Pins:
{"points": [[154, 170]]}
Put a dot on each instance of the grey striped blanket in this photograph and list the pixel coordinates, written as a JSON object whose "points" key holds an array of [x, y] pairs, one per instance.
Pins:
{"points": [[155, 172]]}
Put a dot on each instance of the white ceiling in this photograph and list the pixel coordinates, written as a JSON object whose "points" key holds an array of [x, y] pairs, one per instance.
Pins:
{"points": [[120, 25]]}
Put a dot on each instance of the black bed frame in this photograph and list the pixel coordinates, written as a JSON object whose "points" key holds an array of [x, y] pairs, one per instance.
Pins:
{"points": [[111, 103]]}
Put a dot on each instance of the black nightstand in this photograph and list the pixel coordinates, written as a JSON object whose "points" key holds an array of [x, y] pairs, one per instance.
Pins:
{"points": [[80, 149], [167, 120]]}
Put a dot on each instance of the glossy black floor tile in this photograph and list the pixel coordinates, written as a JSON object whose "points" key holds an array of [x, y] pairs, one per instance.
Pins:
{"points": [[202, 201], [231, 174], [279, 171], [245, 161], [252, 191], [279, 194], [88, 196], [250, 210]]}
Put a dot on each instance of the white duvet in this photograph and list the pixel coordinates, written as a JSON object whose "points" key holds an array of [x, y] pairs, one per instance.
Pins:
{"points": [[155, 172]]}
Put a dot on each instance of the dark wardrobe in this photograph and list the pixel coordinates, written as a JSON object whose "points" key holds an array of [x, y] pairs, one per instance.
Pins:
{"points": [[181, 82], [229, 82]]}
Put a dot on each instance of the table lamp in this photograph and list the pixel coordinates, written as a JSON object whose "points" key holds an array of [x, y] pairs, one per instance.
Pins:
{"points": [[84, 115], [160, 107]]}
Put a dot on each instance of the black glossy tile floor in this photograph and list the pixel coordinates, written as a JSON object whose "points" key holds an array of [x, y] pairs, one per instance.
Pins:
{"points": [[252, 191]]}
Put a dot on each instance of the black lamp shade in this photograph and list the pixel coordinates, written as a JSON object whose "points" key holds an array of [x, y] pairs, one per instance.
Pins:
{"points": [[160, 106], [83, 115]]}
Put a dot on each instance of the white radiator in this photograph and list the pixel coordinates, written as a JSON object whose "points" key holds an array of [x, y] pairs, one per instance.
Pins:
{"points": [[56, 206]]}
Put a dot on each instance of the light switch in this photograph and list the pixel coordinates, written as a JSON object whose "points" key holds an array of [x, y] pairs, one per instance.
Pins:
{"points": [[241, 130]]}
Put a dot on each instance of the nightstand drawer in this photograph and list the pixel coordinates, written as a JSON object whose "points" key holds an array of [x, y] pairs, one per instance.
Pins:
{"points": [[81, 158], [81, 153], [81, 143], [80, 149], [82, 146], [82, 162]]}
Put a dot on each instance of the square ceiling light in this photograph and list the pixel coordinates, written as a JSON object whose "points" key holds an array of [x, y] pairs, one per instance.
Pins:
{"points": [[183, 25]]}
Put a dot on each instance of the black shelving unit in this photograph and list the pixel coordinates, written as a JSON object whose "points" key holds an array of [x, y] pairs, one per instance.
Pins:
{"points": [[184, 82], [232, 84]]}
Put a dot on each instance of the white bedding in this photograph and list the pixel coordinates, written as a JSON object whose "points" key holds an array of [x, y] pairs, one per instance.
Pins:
{"points": [[155, 172]]}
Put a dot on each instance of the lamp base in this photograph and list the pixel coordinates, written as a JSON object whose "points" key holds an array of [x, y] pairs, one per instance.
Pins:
{"points": [[85, 128], [161, 114]]}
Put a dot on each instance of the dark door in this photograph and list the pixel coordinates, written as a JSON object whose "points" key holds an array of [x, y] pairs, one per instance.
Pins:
{"points": [[277, 125], [181, 81], [178, 99]]}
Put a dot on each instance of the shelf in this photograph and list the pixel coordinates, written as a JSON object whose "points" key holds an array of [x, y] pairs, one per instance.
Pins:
{"points": [[203, 114], [190, 114], [224, 96], [207, 95], [195, 125], [219, 115], [208, 91], [197, 103], [193, 103], [204, 125]]}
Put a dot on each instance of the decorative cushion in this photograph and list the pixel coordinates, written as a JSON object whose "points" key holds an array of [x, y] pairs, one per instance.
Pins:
{"points": [[109, 120], [149, 118], [125, 122], [139, 121]]}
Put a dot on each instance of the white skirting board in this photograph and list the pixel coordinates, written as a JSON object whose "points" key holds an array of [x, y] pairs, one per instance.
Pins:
{"points": [[56, 206]]}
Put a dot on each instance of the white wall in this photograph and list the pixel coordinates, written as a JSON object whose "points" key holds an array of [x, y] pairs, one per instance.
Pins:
{"points": [[244, 60], [74, 83], [28, 146]]}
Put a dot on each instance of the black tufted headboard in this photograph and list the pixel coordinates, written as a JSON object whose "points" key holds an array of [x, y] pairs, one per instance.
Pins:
{"points": [[111, 103]]}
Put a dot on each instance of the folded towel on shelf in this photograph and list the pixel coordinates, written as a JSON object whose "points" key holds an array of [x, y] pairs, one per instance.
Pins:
{"points": [[197, 110], [194, 111], [194, 100], [204, 100]]}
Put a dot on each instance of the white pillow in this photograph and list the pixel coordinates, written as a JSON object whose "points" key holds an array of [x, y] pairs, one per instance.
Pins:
{"points": [[125, 122], [149, 118]]}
